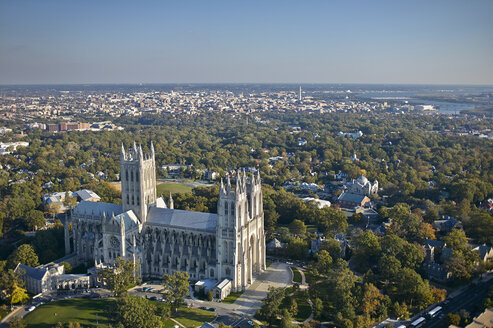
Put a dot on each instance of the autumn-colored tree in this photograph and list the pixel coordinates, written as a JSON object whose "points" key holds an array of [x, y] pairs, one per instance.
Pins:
{"points": [[371, 300]]}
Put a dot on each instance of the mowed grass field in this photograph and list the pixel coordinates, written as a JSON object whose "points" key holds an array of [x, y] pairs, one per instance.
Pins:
{"points": [[88, 312], [163, 188], [97, 313]]}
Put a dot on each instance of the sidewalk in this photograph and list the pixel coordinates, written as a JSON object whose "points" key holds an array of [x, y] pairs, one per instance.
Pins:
{"points": [[12, 314]]}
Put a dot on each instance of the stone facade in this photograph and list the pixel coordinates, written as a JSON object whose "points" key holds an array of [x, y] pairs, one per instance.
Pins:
{"points": [[362, 186], [161, 239]]}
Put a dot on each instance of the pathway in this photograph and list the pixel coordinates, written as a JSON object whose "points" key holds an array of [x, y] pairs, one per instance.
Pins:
{"points": [[277, 275]]}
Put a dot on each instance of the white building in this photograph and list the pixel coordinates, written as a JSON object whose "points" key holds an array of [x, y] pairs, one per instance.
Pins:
{"points": [[362, 186], [319, 202], [50, 277]]}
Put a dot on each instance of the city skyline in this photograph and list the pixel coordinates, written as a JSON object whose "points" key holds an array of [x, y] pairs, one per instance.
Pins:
{"points": [[383, 42]]}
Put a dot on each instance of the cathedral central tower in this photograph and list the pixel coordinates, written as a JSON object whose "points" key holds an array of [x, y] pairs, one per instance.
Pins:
{"points": [[138, 177]]}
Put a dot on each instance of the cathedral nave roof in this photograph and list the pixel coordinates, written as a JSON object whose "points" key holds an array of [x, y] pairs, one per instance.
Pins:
{"points": [[182, 219], [97, 209]]}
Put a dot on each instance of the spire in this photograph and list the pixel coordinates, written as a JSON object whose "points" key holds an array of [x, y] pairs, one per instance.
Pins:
{"points": [[141, 155], [133, 151], [122, 226], [240, 181], [221, 187], [171, 204], [122, 152], [228, 183], [152, 149]]}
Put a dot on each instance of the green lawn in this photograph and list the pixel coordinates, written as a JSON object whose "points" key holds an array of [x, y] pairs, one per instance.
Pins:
{"points": [[191, 317], [88, 312], [85, 311], [168, 323], [296, 275], [166, 187], [311, 278], [232, 297]]}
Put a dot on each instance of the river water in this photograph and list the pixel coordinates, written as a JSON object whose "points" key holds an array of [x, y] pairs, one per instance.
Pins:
{"points": [[444, 107]]}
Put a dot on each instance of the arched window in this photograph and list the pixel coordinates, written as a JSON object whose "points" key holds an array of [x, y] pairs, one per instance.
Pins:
{"points": [[212, 273], [131, 175], [133, 200], [126, 175], [137, 176]]}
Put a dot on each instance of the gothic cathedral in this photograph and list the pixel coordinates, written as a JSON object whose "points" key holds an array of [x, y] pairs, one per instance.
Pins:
{"points": [[146, 229]]}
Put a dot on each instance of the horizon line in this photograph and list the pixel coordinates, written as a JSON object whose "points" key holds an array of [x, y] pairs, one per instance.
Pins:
{"points": [[240, 83]]}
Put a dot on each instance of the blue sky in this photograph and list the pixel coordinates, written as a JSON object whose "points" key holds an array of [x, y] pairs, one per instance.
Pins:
{"points": [[328, 41]]}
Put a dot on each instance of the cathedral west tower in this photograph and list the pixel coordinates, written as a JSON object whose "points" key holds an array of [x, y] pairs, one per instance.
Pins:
{"points": [[138, 177]]}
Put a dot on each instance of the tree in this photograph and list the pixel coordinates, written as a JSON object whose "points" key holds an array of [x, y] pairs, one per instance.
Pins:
{"points": [[318, 307], [69, 201], [67, 267], [17, 323], [34, 219], [408, 286], [18, 294], [73, 325], [324, 262], [52, 209], [409, 255], [135, 311], [120, 277], [367, 250], [209, 295], [356, 218], [293, 306], [332, 246], [270, 308], [286, 319], [480, 227], [371, 300], [452, 319], [176, 288], [332, 221], [297, 227], [297, 248], [463, 259], [283, 234], [24, 254], [388, 267]]}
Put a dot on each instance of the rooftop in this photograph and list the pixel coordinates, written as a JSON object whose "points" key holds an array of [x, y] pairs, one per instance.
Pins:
{"points": [[182, 219], [98, 208]]}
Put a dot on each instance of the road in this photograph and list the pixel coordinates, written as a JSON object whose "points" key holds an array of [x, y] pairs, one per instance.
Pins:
{"points": [[470, 300]]}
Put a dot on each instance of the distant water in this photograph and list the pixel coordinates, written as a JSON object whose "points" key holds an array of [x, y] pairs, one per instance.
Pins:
{"points": [[444, 107]]}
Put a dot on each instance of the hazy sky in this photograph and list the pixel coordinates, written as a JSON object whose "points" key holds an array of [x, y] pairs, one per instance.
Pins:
{"points": [[327, 41]]}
